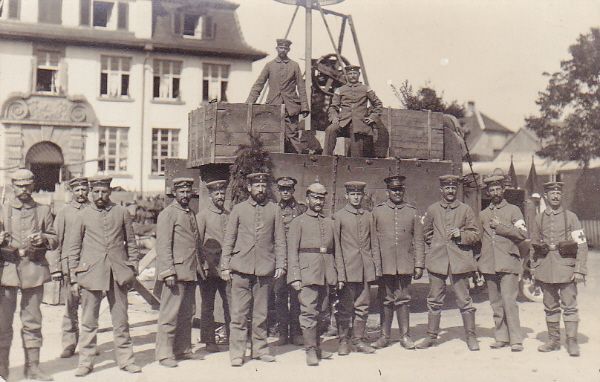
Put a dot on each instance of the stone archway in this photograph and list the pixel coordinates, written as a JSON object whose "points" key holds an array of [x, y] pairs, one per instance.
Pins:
{"points": [[45, 159]]}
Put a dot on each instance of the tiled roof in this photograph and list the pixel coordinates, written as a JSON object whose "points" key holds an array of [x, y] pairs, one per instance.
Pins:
{"points": [[492, 125]]}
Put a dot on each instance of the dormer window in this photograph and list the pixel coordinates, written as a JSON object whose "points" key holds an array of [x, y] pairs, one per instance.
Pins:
{"points": [[104, 14], [194, 26]]}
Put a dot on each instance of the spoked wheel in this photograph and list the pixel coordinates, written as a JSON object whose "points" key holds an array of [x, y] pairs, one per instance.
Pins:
{"points": [[327, 73]]}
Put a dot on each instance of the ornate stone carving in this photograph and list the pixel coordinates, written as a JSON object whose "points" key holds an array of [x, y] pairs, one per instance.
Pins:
{"points": [[48, 109], [78, 113], [18, 109]]}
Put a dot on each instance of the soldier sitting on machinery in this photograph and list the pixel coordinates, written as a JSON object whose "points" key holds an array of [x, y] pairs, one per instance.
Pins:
{"points": [[349, 115]]}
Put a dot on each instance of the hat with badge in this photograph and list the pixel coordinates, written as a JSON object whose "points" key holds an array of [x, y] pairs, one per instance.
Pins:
{"points": [[257, 177], [494, 180], [395, 182], [352, 68], [283, 42], [286, 181], [22, 177], [216, 185], [182, 182], [355, 186], [100, 181], [449, 180], [78, 181], [316, 190], [553, 186]]}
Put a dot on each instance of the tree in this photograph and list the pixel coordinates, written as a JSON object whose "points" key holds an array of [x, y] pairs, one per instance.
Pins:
{"points": [[569, 120], [426, 98]]}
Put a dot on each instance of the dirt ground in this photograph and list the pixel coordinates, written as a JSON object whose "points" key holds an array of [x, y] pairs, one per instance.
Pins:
{"points": [[450, 361]]}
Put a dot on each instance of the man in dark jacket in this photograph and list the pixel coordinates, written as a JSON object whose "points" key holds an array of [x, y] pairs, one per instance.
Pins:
{"points": [[177, 247], [400, 237], [254, 253], [503, 228], [450, 230], [284, 78], [559, 264]]}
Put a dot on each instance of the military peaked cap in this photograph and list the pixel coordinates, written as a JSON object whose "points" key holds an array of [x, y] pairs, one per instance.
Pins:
{"points": [[79, 181], [258, 177], [286, 181], [182, 182], [284, 42], [22, 177], [395, 182], [352, 68], [317, 190], [355, 186], [553, 186], [216, 185], [449, 180], [494, 180], [99, 180]]}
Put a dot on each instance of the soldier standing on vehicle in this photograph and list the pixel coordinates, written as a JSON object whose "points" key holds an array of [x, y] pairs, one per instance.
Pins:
{"points": [[450, 230], [348, 111], [312, 269], [26, 233], [559, 263], [284, 78], [288, 317], [212, 221], [64, 221], [103, 259], [503, 228], [400, 236], [254, 252], [177, 247], [358, 263]]}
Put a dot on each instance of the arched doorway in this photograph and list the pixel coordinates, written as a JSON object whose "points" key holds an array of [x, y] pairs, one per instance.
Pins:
{"points": [[45, 160]]}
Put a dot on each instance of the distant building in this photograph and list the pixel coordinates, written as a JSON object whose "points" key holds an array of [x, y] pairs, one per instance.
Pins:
{"points": [[485, 137], [90, 86]]}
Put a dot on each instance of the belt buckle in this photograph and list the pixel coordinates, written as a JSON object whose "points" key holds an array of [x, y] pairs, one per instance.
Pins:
{"points": [[552, 247], [323, 250], [21, 252]]}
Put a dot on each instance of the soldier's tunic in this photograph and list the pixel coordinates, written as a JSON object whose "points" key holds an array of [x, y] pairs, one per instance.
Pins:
{"points": [[25, 270], [177, 247], [358, 261], [286, 86], [400, 240], [288, 318], [554, 271], [103, 258], [449, 257], [65, 219], [350, 104], [311, 261], [212, 222], [500, 264], [253, 247]]}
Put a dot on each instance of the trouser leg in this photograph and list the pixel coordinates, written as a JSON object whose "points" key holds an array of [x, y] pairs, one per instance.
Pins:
{"points": [[224, 289], [292, 135], [389, 285], [208, 289], [294, 316], [460, 284], [494, 292], [117, 303], [260, 296], [282, 312], [331, 133], [90, 310], [437, 293], [362, 146], [568, 302], [241, 300], [509, 289], [309, 306], [31, 317], [8, 306], [70, 321], [183, 333], [361, 301], [170, 303], [551, 301]]}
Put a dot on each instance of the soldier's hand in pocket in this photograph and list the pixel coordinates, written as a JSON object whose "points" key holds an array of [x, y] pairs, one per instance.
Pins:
{"points": [[279, 273], [297, 285]]}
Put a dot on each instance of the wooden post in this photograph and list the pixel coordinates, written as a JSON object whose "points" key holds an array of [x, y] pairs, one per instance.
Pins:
{"points": [[342, 31], [308, 62], [358, 52]]}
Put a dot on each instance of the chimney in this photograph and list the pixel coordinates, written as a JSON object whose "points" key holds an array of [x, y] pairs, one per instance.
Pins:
{"points": [[470, 110]]}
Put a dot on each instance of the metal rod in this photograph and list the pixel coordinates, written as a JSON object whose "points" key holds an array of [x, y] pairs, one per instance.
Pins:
{"points": [[342, 31], [308, 62], [287, 33], [330, 12], [358, 53], [337, 53]]}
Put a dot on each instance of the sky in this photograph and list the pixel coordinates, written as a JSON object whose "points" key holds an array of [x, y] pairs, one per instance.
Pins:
{"points": [[492, 52]]}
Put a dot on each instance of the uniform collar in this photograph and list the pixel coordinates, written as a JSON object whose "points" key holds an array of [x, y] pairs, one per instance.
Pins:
{"points": [[313, 214], [108, 207], [452, 205], [353, 210], [550, 211], [179, 207], [394, 205], [503, 203], [277, 59], [292, 203], [215, 209], [78, 205], [253, 202], [16, 203], [353, 85]]}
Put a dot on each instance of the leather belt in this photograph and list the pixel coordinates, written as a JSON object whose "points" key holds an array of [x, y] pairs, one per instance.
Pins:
{"points": [[322, 250]]}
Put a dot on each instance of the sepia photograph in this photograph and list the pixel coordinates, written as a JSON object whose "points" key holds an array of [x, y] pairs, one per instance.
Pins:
{"points": [[300, 190]]}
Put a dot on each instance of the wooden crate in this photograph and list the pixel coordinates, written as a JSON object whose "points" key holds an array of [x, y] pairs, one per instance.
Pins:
{"points": [[216, 130], [414, 134]]}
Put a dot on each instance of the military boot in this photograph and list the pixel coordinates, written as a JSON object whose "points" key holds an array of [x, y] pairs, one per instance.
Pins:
{"points": [[571, 331], [433, 328], [32, 366], [358, 336], [310, 345], [553, 343], [344, 338], [471, 336], [322, 354], [4, 352], [386, 328], [403, 316]]}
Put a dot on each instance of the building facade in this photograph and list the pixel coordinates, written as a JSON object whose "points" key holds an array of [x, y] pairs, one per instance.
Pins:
{"points": [[90, 86]]}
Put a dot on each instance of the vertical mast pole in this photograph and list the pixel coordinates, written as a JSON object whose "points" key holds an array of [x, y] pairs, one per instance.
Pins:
{"points": [[308, 61]]}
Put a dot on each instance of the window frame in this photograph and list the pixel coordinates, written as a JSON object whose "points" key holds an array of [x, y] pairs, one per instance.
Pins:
{"points": [[120, 73], [46, 14], [210, 79], [58, 86], [116, 21], [104, 147], [170, 76], [157, 145]]}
